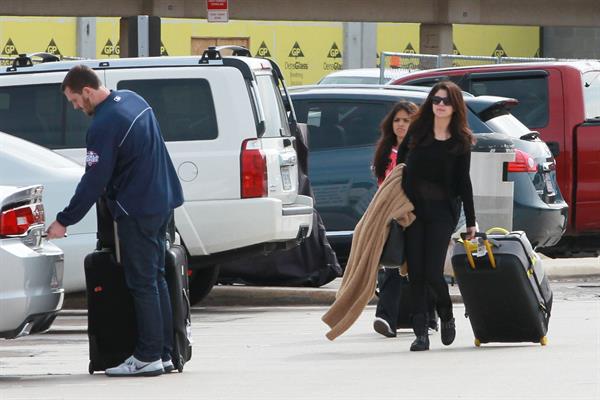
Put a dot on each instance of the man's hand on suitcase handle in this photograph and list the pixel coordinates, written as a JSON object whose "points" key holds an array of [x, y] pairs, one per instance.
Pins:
{"points": [[56, 231]]}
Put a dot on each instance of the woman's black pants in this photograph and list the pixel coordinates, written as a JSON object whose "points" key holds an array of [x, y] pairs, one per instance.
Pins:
{"points": [[426, 246]]}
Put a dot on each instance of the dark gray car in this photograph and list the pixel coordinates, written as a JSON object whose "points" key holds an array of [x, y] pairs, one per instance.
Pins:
{"points": [[343, 126]]}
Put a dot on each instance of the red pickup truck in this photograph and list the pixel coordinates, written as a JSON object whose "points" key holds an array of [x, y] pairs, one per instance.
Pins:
{"points": [[560, 100]]}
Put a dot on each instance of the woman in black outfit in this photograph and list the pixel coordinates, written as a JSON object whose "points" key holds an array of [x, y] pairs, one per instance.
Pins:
{"points": [[437, 154]]}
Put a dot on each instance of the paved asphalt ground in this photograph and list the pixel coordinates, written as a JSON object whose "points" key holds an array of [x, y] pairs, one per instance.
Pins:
{"points": [[281, 353]]}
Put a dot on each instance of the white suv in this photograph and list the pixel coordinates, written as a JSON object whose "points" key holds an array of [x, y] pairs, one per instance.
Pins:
{"points": [[227, 131]]}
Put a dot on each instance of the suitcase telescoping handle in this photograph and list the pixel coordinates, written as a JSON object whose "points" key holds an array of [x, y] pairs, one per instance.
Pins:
{"points": [[471, 248], [497, 229], [117, 244]]}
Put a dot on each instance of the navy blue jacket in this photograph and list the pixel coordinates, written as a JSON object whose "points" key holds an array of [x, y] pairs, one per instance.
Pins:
{"points": [[127, 160]]}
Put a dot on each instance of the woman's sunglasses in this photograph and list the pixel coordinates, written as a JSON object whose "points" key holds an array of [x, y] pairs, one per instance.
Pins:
{"points": [[438, 100]]}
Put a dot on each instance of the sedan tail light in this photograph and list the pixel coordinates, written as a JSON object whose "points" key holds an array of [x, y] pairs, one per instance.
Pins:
{"points": [[17, 221], [523, 163], [253, 172]]}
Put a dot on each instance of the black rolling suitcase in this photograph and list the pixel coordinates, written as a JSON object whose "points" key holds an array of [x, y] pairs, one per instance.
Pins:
{"points": [[507, 297], [176, 274], [112, 329]]}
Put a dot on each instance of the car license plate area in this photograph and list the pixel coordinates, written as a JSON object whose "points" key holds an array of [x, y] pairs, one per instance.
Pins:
{"points": [[548, 183], [286, 179]]}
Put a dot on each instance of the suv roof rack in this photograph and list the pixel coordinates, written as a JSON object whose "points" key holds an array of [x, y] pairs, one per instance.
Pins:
{"points": [[213, 53], [25, 60]]}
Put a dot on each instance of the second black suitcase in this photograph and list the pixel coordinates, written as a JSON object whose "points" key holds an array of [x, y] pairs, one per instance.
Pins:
{"points": [[176, 273], [505, 291]]}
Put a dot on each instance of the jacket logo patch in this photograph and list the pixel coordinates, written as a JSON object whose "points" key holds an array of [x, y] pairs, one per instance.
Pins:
{"points": [[91, 158], [117, 98]]}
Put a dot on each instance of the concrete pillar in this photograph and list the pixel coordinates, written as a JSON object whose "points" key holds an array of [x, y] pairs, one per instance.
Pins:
{"points": [[360, 45], [139, 36], [86, 37], [570, 42], [435, 39]]}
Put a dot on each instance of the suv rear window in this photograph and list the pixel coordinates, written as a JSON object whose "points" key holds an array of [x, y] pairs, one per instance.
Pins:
{"points": [[334, 124], [275, 116], [40, 114], [184, 107], [340, 124], [532, 93], [591, 94]]}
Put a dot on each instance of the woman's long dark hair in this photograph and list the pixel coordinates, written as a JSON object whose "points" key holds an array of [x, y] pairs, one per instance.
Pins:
{"points": [[420, 130], [388, 138]]}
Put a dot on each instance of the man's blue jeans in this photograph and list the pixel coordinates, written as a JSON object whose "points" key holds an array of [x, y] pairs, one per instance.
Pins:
{"points": [[143, 246]]}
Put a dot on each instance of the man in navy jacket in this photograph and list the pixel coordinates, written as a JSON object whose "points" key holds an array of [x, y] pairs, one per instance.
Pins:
{"points": [[127, 163]]}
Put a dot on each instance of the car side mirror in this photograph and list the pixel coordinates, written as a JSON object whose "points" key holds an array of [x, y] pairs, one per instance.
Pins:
{"points": [[554, 148]]}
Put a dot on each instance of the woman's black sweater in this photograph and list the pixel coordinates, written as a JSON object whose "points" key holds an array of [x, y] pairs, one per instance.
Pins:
{"points": [[436, 172]]}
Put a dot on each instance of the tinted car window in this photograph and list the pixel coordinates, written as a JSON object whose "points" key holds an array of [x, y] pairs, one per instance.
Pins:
{"points": [[40, 114], [591, 94], [532, 94], [334, 124], [184, 107]]}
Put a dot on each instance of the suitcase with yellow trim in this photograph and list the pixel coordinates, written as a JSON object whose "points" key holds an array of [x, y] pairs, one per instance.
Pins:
{"points": [[506, 294]]}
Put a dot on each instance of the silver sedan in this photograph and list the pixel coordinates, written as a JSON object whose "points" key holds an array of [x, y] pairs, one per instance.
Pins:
{"points": [[31, 268]]}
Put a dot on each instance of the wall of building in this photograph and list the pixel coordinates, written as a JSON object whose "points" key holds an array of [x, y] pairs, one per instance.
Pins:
{"points": [[569, 42], [306, 51]]}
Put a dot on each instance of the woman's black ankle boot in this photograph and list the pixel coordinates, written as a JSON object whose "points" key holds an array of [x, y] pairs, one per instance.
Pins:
{"points": [[448, 332], [421, 343]]}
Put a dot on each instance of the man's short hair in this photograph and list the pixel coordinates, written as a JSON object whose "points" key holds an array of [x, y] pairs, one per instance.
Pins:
{"points": [[79, 77]]}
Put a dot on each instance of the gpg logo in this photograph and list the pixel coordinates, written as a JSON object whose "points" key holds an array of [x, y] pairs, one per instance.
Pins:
{"points": [[296, 51], [263, 50], [53, 48], [10, 49], [334, 51], [499, 52]]}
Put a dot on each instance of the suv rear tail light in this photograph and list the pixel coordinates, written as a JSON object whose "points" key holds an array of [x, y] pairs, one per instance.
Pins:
{"points": [[523, 163], [253, 170], [17, 221]]}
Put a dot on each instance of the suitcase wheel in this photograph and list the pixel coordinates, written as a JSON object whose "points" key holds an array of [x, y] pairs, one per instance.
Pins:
{"points": [[544, 341], [91, 368], [477, 342]]}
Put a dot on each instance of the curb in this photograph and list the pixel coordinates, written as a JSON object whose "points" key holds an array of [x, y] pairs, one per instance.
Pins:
{"points": [[269, 296]]}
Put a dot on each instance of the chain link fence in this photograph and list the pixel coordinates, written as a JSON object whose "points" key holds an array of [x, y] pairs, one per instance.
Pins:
{"points": [[397, 64]]}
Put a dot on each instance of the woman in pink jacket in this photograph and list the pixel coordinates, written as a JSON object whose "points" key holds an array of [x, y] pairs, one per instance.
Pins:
{"points": [[393, 129]]}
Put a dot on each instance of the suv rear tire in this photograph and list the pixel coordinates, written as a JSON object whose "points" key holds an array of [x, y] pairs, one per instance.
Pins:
{"points": [[202, 281]]}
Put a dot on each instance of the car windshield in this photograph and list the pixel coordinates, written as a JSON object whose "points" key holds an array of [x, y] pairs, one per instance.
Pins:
{"points": [[508, 124]]}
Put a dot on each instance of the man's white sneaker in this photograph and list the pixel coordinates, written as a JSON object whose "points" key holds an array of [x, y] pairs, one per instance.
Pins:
{"points": [[168, 366], [134, 367]]}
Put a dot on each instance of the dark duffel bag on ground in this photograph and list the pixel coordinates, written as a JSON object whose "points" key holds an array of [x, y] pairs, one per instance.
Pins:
{"points": [[505, 291]]}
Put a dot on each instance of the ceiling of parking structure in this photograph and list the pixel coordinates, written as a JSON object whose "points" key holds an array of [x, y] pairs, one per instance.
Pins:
{"points": [[507, 12]]}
